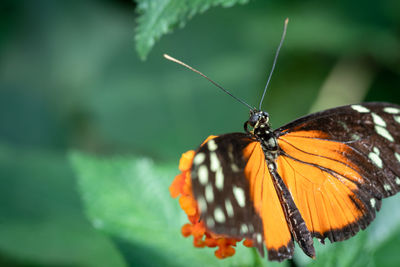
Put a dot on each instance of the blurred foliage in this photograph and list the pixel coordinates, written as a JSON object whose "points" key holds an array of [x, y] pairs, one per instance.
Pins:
{"points": [[70, 79], [41, 219]]}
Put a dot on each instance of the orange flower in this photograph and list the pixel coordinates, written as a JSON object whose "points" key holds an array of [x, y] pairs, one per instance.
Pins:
{"points": [[202, 237]]}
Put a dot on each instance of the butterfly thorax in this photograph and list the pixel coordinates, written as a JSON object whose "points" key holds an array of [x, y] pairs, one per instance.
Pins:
{"points": [[262, 131]]}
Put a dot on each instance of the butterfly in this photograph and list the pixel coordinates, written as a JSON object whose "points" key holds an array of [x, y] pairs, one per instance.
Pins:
{"points": [[321, 176]]}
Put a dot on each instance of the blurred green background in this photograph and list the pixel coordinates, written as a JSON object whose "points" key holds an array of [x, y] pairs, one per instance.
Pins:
{"points": [[72, 86]]}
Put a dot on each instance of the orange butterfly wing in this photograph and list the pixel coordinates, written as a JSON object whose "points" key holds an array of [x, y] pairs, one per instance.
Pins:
{"points": [[278, 239], [339, 164], [326, 197]]}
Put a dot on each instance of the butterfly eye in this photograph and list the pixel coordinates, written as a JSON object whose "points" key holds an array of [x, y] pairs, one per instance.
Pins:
{"points": [[254, 119]]}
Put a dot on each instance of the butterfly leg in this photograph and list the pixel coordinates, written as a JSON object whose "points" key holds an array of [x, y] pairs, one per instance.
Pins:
{"points": [[296, 223]]}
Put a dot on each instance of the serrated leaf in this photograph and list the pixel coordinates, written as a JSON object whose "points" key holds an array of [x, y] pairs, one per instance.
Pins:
{"points": [[158, 17], [129, 199]]}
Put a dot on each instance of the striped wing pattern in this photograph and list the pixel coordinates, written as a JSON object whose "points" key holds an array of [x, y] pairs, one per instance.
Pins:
{"points": [[222, 190]]}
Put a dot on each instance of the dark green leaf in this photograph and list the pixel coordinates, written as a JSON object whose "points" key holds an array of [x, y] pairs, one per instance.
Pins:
{"points": [[158, 17]]}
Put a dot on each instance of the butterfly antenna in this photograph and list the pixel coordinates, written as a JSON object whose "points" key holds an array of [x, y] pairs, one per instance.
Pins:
{"points": [[276, 58], [216, 84]]}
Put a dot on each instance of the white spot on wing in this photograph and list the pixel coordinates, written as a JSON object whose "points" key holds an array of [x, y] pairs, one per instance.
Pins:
{"points": [[360, 108], [391, 110], [219, 215], [374, 157], [239, 196], [209, 193], [259, 238], [355, 137], [229, 208], [251, 228], [234, 167], [373, 202], [203, 174], [210, 222], [202, 204], [212, 146], [244, 229], [378, 120], [214, 162], [397, 180], [219, 179], [383, 132], [386, 187], [397, 119], [199, 158], [397, 156]]}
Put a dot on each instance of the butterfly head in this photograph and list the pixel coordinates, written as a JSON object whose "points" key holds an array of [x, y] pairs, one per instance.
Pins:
{"points": [[257, 119]]}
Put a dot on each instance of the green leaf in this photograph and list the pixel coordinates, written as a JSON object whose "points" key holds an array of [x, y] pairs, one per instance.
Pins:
{"points": [[129, 199], [158, 17]]}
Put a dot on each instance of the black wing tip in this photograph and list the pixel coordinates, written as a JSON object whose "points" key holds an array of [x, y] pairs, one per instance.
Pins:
{"points": [[283, 253], [344, 233]]}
